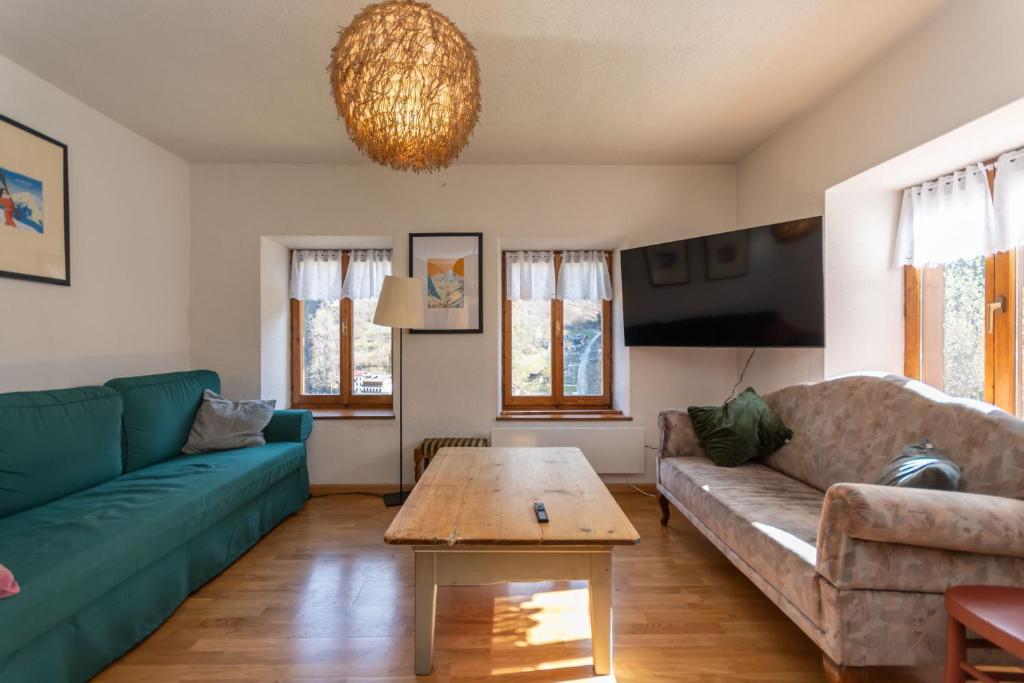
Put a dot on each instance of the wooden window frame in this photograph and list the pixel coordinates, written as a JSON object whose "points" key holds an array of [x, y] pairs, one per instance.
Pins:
{"points": [[346, 400], [1001, 354], [557, 402]]}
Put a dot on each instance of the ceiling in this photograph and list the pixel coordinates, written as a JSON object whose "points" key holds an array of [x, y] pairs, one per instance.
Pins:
{"points": [[563, 81]]}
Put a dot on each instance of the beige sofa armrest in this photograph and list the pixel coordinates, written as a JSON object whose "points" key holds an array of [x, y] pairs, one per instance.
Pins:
{"points": [[962, 522], [676, 435]]}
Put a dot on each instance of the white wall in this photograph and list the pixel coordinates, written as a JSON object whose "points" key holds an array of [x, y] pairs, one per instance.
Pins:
{"points": [[126, 311], [863, 292], [452, 381], [959, 66]]}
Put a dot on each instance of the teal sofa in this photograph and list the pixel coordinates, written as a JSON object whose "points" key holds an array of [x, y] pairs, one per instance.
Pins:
{"points": [[108, 527]]}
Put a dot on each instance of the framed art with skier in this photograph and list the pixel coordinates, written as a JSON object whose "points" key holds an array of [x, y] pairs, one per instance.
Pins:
{"points": [[449, 264], [34, 214]]}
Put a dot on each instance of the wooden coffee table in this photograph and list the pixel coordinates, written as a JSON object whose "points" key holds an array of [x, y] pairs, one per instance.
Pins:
{"points": [[470, 522]]}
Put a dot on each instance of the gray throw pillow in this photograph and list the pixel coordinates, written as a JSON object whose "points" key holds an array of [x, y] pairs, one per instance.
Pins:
{"points": [[920, 466], [221, 424]]}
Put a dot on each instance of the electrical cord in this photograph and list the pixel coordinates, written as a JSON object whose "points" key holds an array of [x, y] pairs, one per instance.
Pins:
{"points": [[732, 393], [742, 374], [641, 491]]}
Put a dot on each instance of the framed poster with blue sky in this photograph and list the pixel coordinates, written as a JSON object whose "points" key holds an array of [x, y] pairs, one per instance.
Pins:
{"points": [[34, 215], [448, 265]]}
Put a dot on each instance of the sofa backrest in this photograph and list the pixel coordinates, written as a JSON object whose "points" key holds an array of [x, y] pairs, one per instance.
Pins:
{"points": [[846, 429], [55, 443], [158, 413]]}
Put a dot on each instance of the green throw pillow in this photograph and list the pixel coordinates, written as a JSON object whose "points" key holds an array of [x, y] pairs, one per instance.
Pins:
{"points": [[741, 430]]}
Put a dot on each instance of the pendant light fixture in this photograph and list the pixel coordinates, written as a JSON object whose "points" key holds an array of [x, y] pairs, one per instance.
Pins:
{"points": [[406, 81]]}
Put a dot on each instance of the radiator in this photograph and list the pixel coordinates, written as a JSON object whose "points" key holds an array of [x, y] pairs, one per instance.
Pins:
{"points": [[610, 450]]}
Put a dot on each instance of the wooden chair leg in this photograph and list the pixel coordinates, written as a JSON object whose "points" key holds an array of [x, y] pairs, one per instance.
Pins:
{"points": [[956, 651], [417, 458], [665, 509], [835, 673]]}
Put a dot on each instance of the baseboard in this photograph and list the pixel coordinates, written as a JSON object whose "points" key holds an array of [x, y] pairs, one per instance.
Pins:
{"points": [[376, 489], [381, 489]]}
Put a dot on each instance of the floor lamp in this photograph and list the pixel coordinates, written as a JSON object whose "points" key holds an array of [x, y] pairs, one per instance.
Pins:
{"points": [[399, 307]]}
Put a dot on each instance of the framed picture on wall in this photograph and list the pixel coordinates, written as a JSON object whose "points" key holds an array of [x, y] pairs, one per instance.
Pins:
{"points": [[449, 265], [667, 264], [34, 225], [726, 255]]}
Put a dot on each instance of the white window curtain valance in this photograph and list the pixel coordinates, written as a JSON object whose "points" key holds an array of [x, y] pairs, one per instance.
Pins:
{"points": [[1009, 199], [949, 219], [583, 276], [530, 275], [365, 275], [316, 274]]}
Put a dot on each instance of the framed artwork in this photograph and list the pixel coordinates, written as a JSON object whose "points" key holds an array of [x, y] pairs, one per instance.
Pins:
{"points": [[34, 225], [667, 264], [726, 255], [449, 264]]}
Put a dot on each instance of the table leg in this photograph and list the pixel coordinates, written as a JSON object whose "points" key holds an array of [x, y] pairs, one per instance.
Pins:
{"points": [[426, 605], [956, 651], [601, 611]]}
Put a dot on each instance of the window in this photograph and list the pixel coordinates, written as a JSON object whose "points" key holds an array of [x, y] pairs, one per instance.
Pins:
{"points": [[556, 352], [340, 359], [962, 315], [961, 327]]}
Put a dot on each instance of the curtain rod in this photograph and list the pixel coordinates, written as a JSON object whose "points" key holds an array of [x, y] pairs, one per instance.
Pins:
{"points": [[984, 169]]}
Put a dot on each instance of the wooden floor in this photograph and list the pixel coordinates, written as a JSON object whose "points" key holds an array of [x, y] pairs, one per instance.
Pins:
{"points": [[322, 598]]}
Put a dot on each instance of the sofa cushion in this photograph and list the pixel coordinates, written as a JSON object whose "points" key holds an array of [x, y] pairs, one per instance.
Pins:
{"points": [[222, 424], [741, 430], [158, 413], [848, 428], [767, 518], [54, 443], [74, 550]]}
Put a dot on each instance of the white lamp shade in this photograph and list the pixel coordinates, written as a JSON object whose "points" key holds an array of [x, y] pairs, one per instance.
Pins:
{"points": [[400, 304]]}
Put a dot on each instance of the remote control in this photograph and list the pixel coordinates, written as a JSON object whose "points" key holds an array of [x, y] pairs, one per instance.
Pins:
{"points": [[542, 514]]}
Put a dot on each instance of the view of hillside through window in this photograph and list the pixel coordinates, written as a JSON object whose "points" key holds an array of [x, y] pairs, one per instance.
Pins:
{"points": [[322, 348], [581, 348], [963, 327], [371, 351], [531, 348], [582, 360]]}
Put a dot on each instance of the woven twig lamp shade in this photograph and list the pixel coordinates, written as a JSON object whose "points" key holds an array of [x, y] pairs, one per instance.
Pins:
{"points": [[407, 83]]}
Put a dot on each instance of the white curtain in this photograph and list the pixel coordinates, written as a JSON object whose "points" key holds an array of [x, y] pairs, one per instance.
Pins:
{"points": [[365, 275], [946, 220], [530, 275], [1009, 199], [583, 276], [316, 274]]}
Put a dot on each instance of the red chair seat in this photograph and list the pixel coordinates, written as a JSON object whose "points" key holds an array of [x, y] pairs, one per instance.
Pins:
{"points": [[996, 613]]}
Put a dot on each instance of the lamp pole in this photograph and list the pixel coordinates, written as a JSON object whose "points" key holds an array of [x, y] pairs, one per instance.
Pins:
{"points": [[400, 307], [392, 499]]}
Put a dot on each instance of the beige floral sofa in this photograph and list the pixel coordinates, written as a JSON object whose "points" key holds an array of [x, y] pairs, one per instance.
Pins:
{"points": [[860, 568]]}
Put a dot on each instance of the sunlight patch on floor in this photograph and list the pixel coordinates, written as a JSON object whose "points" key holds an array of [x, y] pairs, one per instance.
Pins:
{"points": [[557, 616], [553, 666]]}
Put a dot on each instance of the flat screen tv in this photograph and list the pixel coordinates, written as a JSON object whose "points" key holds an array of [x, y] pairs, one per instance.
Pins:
{"points": [[759, 287]]}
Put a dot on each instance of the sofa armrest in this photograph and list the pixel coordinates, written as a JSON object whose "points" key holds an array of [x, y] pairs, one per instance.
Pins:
{"points": [[676, 437], [961, 522], [289, 425]]}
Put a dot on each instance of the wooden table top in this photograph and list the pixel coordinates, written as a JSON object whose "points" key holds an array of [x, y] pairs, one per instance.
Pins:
{"points": [[485, 496]]}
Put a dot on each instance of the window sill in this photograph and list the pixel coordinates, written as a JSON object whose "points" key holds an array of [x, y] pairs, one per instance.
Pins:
{"points": [[352, 413], [563, 416]]}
